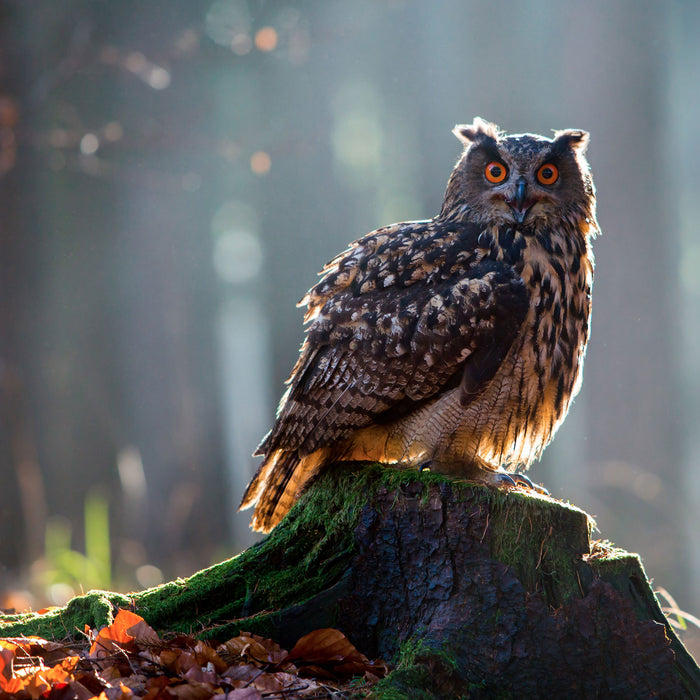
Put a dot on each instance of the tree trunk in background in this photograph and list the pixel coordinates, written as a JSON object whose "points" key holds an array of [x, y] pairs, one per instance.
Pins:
{"points": [[107, 311], [682, 120], [22, 496]]}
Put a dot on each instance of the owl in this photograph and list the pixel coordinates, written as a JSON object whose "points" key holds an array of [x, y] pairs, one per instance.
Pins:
{"points": [[455, 343]]}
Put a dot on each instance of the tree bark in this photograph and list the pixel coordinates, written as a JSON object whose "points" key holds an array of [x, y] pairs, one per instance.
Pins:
{"points": [[467, 591]]}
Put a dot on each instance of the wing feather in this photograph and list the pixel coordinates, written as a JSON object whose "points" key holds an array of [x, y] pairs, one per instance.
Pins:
{"points": [[388, 332]]}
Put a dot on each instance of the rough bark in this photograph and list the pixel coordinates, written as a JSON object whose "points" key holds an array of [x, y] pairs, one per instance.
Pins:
{"points": [[466, 590]]}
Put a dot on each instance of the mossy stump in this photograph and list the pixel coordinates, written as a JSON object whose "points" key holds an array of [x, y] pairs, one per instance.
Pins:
{"points": [[467, 591]]}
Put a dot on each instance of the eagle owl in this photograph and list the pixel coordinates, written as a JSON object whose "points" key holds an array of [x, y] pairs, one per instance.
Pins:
{"points": [[456, 342]]}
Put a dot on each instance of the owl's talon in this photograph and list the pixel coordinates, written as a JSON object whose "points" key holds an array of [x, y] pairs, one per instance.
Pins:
{"points": [[503, 479], [514, 479], [523, 480]]}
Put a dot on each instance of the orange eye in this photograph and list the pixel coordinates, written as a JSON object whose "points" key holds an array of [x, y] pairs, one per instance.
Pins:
{"points": [[548, 174], [495, 172]]}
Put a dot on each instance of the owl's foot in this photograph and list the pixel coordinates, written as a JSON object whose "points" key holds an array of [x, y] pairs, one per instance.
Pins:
{"points": [[515, 479]]}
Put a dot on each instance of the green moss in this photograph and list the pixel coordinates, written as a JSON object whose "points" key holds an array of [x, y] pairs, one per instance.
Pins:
{"points": [[542, 539], [426, 670], [311, 550], [304, 556], [95, 609], [422, 670]]}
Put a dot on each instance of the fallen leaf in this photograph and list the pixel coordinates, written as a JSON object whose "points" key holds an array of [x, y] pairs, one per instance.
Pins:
{"points": [[252, 648], [325, 645], [192, 691], [206, 654], [241, 672], [244, 694], [328, 653], [127, 659], [140, 630], [127, 628]]}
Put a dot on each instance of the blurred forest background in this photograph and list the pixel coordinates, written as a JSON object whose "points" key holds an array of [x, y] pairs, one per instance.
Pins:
{"points": [[174, 173]]}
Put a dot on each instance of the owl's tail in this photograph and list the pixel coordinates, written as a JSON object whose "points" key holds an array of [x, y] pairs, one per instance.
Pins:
{"points": [[277, 484]]}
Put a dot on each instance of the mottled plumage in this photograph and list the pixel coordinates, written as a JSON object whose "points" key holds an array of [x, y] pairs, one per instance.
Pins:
{"points": [[456, 342]]}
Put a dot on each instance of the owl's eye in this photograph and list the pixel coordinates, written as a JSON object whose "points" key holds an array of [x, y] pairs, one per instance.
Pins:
{"points": [[548, 174], [495, 172]]}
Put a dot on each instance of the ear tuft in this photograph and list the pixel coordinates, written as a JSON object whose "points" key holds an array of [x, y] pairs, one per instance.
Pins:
{"points": [[575, 139], [478, 130]]}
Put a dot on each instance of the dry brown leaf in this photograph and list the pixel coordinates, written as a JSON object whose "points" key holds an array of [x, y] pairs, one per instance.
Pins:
{"points": [[200, 675], [325, 645], [120, 692], [111, 673], [129, 660], [328, 653], [91, 680], [268, 683], [141, 631], [153, 686], [167, 658], [192, 691], [67, 691], [126, 629], [185, 662], [50, 652], [244, 694], [253, 648], [241, 672], [206, 654], [7, 655]]}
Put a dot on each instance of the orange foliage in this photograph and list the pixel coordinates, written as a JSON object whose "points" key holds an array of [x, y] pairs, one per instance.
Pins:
{"points": [[128, 659]]}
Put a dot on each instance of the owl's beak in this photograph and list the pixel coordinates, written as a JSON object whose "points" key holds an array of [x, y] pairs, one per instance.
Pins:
{"points": [[520, 204]]}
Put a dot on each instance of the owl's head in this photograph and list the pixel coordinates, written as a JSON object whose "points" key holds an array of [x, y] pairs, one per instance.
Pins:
{"points": [[522, 180]]}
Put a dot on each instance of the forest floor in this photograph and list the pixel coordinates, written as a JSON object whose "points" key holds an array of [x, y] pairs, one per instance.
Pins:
{"points": [[128, 659]]}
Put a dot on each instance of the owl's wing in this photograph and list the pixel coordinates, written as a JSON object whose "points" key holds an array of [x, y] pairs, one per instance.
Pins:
{"points": [[372, 356]]}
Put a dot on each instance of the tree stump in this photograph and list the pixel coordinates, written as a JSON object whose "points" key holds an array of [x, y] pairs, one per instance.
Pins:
{"points": [[467, 591]]}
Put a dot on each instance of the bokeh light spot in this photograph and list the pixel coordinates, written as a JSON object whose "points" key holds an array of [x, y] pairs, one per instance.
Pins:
{"points": [[135, 62], [89, 144], [266, 39], [237, 254], [60, 593], [260, 163], [113, 131], [187, 42], [157, 77], [149, 576]]}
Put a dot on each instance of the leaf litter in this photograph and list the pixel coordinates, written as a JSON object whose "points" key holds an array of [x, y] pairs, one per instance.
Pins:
{"points": [[128, 659]]}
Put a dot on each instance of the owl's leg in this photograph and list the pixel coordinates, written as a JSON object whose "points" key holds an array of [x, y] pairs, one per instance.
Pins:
{"points": [[477, 470]]}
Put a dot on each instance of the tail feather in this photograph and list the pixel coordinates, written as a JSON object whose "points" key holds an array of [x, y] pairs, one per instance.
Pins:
{"points": [[277, 484]]}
